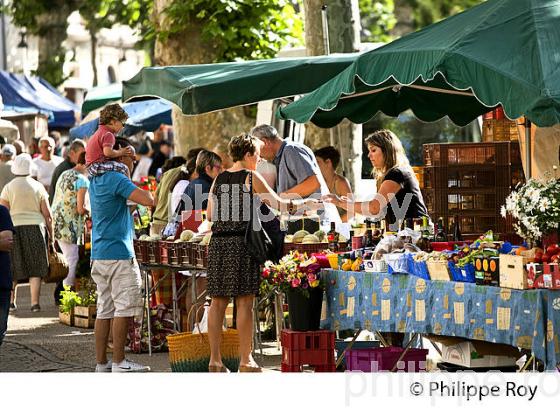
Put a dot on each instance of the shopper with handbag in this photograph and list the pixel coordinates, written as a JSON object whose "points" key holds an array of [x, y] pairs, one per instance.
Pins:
{"points": [[238, 246], [27, 200], [69, 214]]}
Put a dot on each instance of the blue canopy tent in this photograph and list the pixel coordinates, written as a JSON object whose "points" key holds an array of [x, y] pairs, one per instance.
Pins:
{"points": [[22, 93], [145, 115]]}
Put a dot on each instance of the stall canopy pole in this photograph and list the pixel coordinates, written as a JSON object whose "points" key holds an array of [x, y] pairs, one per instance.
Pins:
{"points": [[528, 148], [327, 48]]}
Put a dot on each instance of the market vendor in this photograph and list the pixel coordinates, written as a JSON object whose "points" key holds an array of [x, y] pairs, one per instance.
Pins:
{"points": [[298, 174], [395, 180]]}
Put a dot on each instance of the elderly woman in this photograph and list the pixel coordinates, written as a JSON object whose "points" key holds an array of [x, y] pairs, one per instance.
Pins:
{"points": [[232, 271], [69, 214], [27, 200]]}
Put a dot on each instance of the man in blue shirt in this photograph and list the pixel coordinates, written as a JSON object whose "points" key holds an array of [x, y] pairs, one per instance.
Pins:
{"points": [[114, 268], [298, 173], [6, 243]]}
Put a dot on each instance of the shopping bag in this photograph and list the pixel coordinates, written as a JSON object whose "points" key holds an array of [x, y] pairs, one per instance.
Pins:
{"points": [[58, 267]]}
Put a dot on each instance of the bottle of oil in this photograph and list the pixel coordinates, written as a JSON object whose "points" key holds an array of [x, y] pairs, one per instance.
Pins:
{"points": [[332, 238], [440, 234]]}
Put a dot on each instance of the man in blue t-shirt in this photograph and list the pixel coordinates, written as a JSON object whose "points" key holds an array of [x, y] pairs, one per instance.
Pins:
{"points": [[6, 243], [114, 268]]}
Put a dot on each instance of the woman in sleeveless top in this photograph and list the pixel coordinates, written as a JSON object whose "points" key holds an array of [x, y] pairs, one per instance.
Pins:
{"points": [[328, 159], [232, 271]]}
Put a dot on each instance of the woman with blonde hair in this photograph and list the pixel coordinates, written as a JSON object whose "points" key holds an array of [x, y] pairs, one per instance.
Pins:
{"points": [[232, 270], [398, 191]]}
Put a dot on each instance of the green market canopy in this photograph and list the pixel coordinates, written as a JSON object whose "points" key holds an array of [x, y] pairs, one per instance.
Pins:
{"points": [[202, 88], [99, 96], [500, 52]]}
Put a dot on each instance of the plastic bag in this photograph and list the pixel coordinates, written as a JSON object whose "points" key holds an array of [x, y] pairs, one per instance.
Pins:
{"points": [[202, 326]]}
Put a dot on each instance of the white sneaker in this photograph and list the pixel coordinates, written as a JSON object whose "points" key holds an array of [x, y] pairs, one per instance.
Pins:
{"points": [[104, 368], [129, 366]]}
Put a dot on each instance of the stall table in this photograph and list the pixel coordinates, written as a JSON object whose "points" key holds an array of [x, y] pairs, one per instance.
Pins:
{"points": [[527, 319]]}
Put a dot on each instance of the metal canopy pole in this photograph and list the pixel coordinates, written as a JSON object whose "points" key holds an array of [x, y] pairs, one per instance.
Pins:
{"points": [[528, 148]]}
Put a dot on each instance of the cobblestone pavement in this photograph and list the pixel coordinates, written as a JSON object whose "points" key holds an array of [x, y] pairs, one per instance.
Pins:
{"points": [[38, 342], [16, 357]]}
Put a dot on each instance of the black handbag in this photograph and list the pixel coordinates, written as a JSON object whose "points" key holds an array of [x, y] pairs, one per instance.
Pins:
{"points": [[257, 240]]}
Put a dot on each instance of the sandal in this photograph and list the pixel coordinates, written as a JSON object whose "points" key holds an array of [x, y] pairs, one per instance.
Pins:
{"points": [[217, 369], [243, 368]]}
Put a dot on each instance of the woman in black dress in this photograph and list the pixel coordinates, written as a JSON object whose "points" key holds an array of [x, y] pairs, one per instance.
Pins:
{"points": [[232, 271], [398, 192]]}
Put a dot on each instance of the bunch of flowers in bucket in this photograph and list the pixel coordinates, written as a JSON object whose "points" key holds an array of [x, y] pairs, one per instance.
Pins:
{"points": [[294, 271], [535, 206]]}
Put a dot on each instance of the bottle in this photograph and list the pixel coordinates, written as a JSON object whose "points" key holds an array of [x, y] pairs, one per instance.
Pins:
{"points": [[369, 235], [424, 241], [332, 238], [457, 237], [377, 234], [440, 234]]}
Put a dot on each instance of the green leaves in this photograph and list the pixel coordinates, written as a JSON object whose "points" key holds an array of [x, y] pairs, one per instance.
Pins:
{"points": [[246, 29]]}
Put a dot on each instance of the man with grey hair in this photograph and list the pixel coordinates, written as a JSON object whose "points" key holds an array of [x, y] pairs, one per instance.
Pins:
{"points": [[76, 148], [298, 173], [6, 159]]}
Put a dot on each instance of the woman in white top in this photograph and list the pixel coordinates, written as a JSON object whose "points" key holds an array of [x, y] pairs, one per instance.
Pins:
{"points": [[27, 200], [144, 162]]}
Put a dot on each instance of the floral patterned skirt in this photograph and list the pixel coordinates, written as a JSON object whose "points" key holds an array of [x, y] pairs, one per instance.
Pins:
{"points": [[231, 270]]}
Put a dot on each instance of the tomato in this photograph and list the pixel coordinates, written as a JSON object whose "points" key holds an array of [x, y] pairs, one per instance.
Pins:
{"points": [[538, 257], [554, 258], [553, 249], [545, 258]]}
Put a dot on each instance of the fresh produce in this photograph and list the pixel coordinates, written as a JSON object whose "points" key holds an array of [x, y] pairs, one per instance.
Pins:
{"points": [[311, 238], [321, 235], [206, 240], [144, 237], [186, 235], [299, 235]]}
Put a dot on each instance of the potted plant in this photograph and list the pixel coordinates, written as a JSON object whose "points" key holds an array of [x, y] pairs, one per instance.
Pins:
{"points": [[297, 276], [78, 308]]}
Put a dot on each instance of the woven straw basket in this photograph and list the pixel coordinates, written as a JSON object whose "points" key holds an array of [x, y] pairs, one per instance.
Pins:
{"points": [[190, 352]]}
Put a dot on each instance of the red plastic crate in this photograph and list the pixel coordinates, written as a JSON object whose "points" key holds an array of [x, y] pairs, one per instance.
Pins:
{"points": [[201, 252], [141, 251], [315, 348], [384, 359], [318, 339]]}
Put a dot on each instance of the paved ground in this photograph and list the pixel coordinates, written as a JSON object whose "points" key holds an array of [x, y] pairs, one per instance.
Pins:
{"points": [[38, 342]]}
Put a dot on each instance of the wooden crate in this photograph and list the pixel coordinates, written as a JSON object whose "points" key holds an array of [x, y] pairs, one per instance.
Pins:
{"points": [[512, 272], [84, 316], [66, 318]]}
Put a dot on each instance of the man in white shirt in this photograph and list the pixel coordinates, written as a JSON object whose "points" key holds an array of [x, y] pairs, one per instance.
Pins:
{"points": [[46, 163]]}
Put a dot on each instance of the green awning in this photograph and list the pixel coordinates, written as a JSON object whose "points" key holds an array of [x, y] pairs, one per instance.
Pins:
{"points": [[500, 52], [99, 96], [202, 88]]}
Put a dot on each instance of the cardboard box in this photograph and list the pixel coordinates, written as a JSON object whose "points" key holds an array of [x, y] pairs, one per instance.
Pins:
{"points": [[475, 353], [543, 276], [487, 270], [438, 270], [513, 273]]}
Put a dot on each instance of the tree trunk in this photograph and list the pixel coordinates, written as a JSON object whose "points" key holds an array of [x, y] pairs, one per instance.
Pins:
{"points": [[51, 36], [212, 130], [93, 37], [344, 37], [405, 19]]}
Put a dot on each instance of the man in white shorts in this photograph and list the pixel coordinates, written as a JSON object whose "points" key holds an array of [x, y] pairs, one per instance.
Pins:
{"points": [[114, 267]]}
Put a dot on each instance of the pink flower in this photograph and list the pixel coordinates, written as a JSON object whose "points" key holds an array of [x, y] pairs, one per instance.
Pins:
{"points": [[266, 273], [311, 277], [296, 282]]}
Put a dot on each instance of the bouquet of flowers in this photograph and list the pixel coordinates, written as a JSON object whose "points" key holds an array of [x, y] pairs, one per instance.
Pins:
{"points": [[535, 207], [293, 271]]}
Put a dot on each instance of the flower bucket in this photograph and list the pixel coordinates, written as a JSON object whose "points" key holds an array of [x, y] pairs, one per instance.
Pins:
{"points": [[305, 312]]}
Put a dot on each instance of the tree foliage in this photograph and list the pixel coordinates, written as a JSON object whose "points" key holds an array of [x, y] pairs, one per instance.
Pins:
{"points": [[378, 19], [238, 28]]}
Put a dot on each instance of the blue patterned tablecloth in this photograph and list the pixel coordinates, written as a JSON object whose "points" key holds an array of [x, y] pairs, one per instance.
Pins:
{"points": [[528, 319]]}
